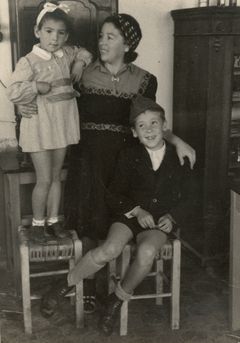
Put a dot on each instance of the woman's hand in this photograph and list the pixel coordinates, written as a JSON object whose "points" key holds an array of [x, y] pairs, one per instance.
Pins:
{"points": [[144, 218], [165, 223], [28, 110], [43, 87], [185, 150]]}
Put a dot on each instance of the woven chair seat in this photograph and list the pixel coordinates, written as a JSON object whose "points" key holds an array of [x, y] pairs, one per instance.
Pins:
{"points": [[53, 249]]}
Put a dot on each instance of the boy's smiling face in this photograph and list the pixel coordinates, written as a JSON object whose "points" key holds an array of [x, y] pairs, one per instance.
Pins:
{"points": [[149, 127]]}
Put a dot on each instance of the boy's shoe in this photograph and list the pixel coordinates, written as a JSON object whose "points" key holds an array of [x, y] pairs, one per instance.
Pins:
{"points": [[57, 230], [51, 299], [37, 234], [111, 314]]}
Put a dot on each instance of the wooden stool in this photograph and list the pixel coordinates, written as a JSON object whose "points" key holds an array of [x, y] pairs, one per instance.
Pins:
{"points": [[170, 251], [68, 249]]}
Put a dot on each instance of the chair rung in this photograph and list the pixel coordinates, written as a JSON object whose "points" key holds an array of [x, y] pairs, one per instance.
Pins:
{"points": [[56, 272], [150, 296]]}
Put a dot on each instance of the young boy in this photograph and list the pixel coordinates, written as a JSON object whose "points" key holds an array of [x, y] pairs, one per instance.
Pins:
{"points": [[148, 196]]}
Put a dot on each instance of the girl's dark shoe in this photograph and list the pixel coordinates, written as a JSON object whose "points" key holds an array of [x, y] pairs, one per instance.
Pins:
{"points": [[58, 231], [51, 299], [111, 314], [37, 234]]}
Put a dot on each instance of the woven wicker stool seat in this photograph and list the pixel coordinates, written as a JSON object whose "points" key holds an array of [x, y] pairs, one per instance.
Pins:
{"points": [[170, 251], [54, 249]]}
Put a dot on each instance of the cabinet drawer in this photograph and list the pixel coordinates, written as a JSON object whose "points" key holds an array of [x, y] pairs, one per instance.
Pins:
{"points": [[192, 27]]}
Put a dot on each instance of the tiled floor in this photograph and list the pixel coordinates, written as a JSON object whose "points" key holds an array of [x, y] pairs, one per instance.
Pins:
{"points": [[204, 315]]}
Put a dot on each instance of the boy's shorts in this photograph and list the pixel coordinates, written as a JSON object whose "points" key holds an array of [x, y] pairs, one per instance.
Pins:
{"points": [[131, 223]]}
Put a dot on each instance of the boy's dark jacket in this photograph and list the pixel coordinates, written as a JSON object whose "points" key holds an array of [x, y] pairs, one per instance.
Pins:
{"points": [[170, 189]]}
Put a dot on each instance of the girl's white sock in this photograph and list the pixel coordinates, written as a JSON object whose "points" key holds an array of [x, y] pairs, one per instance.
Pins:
{"points": [[38, 222], [52, 220]]}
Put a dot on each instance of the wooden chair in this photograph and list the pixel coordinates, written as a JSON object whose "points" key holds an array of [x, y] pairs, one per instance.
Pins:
{"points": [[170, 251], [25, 254]]}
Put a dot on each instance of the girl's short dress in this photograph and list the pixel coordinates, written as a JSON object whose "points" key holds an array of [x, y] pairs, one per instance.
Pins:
{"points": [[57, 123]]}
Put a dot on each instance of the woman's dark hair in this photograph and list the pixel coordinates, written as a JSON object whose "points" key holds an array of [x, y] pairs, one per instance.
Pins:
{"points": [[57, 15], [131, 55]]}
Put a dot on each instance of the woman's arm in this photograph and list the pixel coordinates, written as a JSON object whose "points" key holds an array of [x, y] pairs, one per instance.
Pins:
{"points": [[182, 148]]}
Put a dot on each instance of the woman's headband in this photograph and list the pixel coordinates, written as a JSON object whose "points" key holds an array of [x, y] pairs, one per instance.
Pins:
{"points": [[49, 7], [130, 29]]}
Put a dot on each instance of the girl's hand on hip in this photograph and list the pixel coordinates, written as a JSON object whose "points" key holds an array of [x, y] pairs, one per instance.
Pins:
{"points": [[165, 223], [43, 87]]}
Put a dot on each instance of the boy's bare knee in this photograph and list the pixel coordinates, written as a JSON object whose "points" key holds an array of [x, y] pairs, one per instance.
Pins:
{"points": [[110, 251], [146, 254]]}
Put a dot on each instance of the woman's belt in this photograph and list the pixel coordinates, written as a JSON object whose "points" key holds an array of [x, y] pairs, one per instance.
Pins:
{"points": [[105, 127]]}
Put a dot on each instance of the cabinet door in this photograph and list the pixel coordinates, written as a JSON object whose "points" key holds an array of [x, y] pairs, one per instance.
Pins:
{"points": [[87, 16], [190, 91]]}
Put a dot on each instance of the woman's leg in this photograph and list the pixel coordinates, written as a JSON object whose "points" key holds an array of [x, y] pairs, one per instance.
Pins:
{"points": [[42, 165], [119, 235], [148, 244], [54, 195]]}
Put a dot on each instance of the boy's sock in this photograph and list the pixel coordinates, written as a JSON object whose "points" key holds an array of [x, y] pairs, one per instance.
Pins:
{"points": [[121, 294], [85, 267]]}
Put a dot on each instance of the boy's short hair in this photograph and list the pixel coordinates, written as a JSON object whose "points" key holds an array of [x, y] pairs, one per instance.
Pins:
{"points": [[141, 104]]}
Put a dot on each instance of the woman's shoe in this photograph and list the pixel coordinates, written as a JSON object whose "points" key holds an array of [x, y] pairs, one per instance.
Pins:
{"points": [[51, 299], [89, 302], [111, 314]]}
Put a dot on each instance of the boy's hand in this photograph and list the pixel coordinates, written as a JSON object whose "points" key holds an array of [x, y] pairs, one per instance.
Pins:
{"points": [[43, 87], [144, 218], [165, 223], [77, 70]]}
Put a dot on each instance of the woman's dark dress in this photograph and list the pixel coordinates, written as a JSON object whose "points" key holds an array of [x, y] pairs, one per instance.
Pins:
{"points": [[104, 108]]}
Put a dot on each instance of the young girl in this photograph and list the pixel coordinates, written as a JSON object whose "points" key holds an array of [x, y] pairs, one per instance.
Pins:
{"points": [[44, 76]]}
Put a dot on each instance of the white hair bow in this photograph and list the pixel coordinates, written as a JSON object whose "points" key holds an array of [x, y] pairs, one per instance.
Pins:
{"points": [[49, 7]]}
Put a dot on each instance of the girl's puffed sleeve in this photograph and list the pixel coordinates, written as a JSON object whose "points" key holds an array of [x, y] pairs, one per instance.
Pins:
{"points": [[23, 88], [78, 54]]}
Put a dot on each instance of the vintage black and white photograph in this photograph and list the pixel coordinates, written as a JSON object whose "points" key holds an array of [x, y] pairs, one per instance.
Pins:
{"points": [[120, 171]]}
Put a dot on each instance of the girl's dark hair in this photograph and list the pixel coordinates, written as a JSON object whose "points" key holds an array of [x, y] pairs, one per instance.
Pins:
{"points": [[131, 55], [57, 15]]}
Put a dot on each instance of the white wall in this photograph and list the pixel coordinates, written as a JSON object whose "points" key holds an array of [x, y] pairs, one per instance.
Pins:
{"points": [[7, 117], [156, 48]]}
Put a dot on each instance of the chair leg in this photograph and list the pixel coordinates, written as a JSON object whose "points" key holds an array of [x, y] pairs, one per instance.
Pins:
{"points": [[159, 280], [26, 296], [124, 264], [175, 299], [124, 319], [124, 260], [112, 276], [79, 288]]}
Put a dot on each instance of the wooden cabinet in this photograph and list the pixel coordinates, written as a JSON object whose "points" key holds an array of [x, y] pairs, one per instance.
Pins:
{"points": [[206, 41]]}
